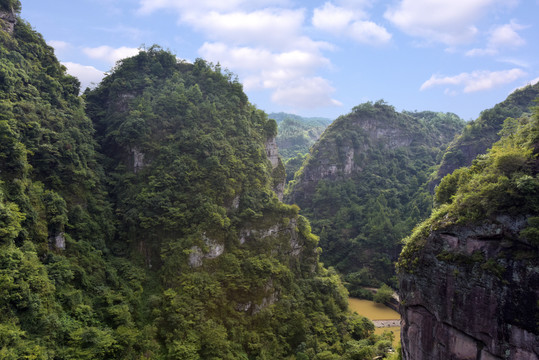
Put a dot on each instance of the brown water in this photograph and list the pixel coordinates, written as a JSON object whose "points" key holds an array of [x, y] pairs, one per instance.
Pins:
{"points": [[372, 310]]}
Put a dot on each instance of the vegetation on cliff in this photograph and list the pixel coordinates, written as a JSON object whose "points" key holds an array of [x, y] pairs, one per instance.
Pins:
{"points": [[503, 181], [169, 242], [469, 274], [479, 135], [297, 134], [364, 186]]}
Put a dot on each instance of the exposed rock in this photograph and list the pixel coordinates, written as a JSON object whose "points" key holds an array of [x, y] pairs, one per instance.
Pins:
{"points": [[278, 173], [272, 151], [138, 159], [474, 295], [59, 241], [214, 250], [8, 19]]}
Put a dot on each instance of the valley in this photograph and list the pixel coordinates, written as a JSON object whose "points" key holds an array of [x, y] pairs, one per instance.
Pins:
{"points": [[162, 215]]}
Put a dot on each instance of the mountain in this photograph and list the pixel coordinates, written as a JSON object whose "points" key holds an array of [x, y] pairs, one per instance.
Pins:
{"points": [[140, 220], [296, 134], [363, 186], [469, 275], [479, 135]]}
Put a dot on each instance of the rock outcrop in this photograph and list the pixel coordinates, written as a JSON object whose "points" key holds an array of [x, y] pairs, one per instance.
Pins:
{"points": [[474, 295], [8, 19]]}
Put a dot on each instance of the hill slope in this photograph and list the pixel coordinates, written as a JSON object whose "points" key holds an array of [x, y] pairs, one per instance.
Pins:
{"points": [[297, 134], [479, 135], [364, 185], [170, 243]]}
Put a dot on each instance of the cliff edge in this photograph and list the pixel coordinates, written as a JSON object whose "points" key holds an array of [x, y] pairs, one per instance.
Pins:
{"points": [[469, 275]]}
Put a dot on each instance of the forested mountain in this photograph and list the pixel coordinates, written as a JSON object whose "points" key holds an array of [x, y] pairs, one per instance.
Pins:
{"points": [[296, 134], [469, 275], [148, 228], [479, 135], [364, 186]]}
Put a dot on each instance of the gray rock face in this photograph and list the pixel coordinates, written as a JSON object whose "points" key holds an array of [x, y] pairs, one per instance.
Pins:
{"points": [[138, 159], [272, 152], [8, 21], [473, 295], [214, 250]]}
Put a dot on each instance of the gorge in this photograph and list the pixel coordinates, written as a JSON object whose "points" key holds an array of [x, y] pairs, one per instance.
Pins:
{"points": [[144, 219]]}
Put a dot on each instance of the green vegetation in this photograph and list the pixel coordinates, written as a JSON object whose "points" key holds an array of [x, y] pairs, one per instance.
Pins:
{"points": [[383, 294], [479, 135], [364, 187], [296, 135], [167, 244], [503, 181]]}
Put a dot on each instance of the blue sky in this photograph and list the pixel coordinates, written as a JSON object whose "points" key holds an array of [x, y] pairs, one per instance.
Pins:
{"points": [[315, 58]]}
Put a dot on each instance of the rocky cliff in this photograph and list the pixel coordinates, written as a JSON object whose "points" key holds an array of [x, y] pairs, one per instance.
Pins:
{"points": [[469, 275], [470, 298]]}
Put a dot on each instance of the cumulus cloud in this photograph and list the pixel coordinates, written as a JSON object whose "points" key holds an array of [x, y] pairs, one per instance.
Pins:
{"points": [[476, 80], [274, 28], [264, 41], [88, 76], [288, 74], [201, 6], [305, 92], [504, 36], [450, 22], [58, 44], [110, 54], [349, 21]]}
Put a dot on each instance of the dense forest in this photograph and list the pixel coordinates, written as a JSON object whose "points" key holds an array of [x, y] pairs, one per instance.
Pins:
{"points": [[364, 187], [139, 219], [142, 219], [479, 135]]}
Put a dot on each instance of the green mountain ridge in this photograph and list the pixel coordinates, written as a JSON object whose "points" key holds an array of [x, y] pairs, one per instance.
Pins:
{"points": [[148, 227], [363, 186], [296, 134], [479, 135]]}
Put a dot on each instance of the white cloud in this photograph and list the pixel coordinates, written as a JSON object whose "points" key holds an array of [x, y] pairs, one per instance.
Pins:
{"points": [[201, 6], [275, 28], [88, 76], [109, 54], [263, 41], [368, 32], [306, 93], [284, 73], [503, 36], [58, 45], [450, 22], [333, 18], [349, 21], [506, 36], [475, 81]]}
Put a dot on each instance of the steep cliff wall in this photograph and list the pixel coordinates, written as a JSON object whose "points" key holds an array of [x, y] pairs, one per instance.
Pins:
{"points": [[474, 295], [469, 275]]}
